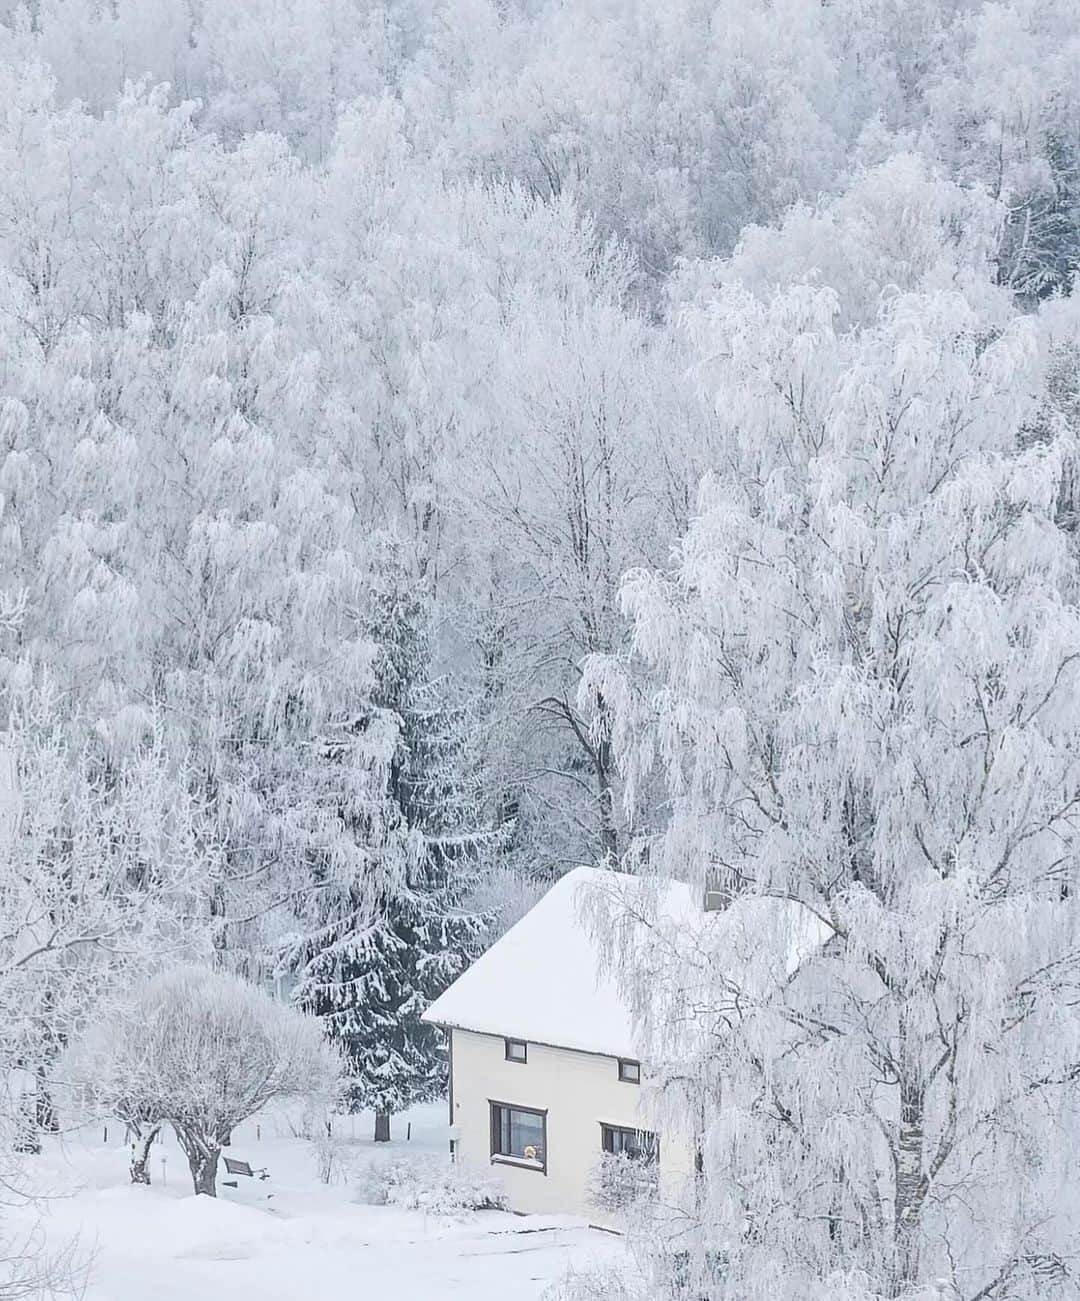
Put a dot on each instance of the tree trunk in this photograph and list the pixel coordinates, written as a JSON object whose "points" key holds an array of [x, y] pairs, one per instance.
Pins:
{"points": [[140, 1155], [219, 924], [910, 1186], [27, 1138], [45, 1112], [609, 835], [605, 766], [202, 1154], [382, 1127], [204, 1172]]}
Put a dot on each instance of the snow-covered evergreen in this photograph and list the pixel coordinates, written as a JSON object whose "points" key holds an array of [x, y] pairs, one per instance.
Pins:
{"points": [[387, 944]]}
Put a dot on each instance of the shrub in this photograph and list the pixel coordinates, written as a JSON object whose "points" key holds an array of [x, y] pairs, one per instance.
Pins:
{"points": [[604, 1283], [619, 1182], [437, 1187], [335, 1161]]}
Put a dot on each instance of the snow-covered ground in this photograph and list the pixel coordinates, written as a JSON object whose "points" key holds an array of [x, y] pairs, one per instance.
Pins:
{"points": [[293, 1237]]}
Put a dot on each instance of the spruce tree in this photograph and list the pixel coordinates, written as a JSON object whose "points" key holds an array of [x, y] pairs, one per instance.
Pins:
{"points": [[401, 932]]}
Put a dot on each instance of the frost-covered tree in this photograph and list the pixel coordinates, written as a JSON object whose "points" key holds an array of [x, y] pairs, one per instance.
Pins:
{"points": [[387, 945], [101, 878], [864, 698], [202, 1050], [584, 476], [1005, 113], [673, 126]]}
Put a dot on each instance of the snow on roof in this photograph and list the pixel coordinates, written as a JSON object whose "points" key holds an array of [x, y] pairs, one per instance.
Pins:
{"points": [[546, 980]]}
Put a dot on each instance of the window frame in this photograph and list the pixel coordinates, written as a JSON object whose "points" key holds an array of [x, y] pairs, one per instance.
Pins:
{"points": [[494, 1133], [625, 1062], [523, 1044], [651, 1150]]}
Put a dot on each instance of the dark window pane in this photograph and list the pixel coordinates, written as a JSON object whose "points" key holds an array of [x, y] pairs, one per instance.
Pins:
{"points": [[526, 1131]]}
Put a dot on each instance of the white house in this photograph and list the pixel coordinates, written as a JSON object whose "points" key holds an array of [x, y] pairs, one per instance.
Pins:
{"points": [[544, 1072], [545, 1075]]}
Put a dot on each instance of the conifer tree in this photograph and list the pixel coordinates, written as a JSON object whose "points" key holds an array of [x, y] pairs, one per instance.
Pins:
{"points": [[393, 940]]}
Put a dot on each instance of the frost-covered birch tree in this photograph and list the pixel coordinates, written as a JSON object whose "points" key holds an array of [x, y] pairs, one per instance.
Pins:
{"points": [[864, 697]]}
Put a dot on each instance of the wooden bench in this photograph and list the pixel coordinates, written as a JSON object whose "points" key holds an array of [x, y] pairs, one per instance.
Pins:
{"points": [[242, 1168]]}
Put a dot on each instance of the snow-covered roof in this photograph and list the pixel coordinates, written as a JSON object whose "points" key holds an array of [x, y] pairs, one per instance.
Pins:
{"points": [[546, 980]]}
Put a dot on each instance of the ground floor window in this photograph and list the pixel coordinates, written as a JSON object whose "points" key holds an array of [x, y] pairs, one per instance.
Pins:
{"points": [[627, 1170], [519, 1134], [636, 1143]]}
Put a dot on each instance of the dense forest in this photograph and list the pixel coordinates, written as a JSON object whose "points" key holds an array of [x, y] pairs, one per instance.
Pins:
{"points": [[443, 442]]}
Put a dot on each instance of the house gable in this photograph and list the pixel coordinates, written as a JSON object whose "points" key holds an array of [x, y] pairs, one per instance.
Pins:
{"points": [[545, 981]]}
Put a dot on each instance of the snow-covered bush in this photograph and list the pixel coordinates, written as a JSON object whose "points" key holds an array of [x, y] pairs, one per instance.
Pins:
{"points": [[619, 1181], [435, 1187], [202, 1050], [335, 1160], [620, 1283], [659, 1269]]}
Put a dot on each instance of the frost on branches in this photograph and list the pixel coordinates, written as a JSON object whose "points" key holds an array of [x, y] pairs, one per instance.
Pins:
{"points": [[202, 1051], [866, 696], [392, 940], [100, 881]]}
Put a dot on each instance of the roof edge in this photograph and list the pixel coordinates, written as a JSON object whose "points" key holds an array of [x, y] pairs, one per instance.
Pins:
{"points": [[540, 1043]]}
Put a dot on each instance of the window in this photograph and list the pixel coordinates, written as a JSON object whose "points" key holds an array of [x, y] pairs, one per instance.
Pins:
{"points": [[629, 1072], [636, 1143], [717, 891], [519, 1135], [517, 1050]]}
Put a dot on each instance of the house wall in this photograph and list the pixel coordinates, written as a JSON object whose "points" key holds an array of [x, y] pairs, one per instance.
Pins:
{"points": [[579, 1092]]}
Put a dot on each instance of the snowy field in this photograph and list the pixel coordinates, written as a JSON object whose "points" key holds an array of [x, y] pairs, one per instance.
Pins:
{"points": [[294, 1237]]}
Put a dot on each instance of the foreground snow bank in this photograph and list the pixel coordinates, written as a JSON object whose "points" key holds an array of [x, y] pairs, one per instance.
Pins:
{"points": [[294, 1236]]}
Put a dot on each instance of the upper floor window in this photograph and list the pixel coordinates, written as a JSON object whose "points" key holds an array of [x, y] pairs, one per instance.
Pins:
{"points": [[629, 1072], [517, 1050]]}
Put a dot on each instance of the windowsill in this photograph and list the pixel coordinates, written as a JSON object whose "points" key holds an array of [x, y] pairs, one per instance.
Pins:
{"points": [[522, 1161]]}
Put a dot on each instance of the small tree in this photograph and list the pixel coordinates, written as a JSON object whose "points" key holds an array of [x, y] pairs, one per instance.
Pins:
{"points": [[203, 1051]]}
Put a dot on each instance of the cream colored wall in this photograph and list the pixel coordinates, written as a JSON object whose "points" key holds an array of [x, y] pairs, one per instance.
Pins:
{"points": [[578, 1091]]}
